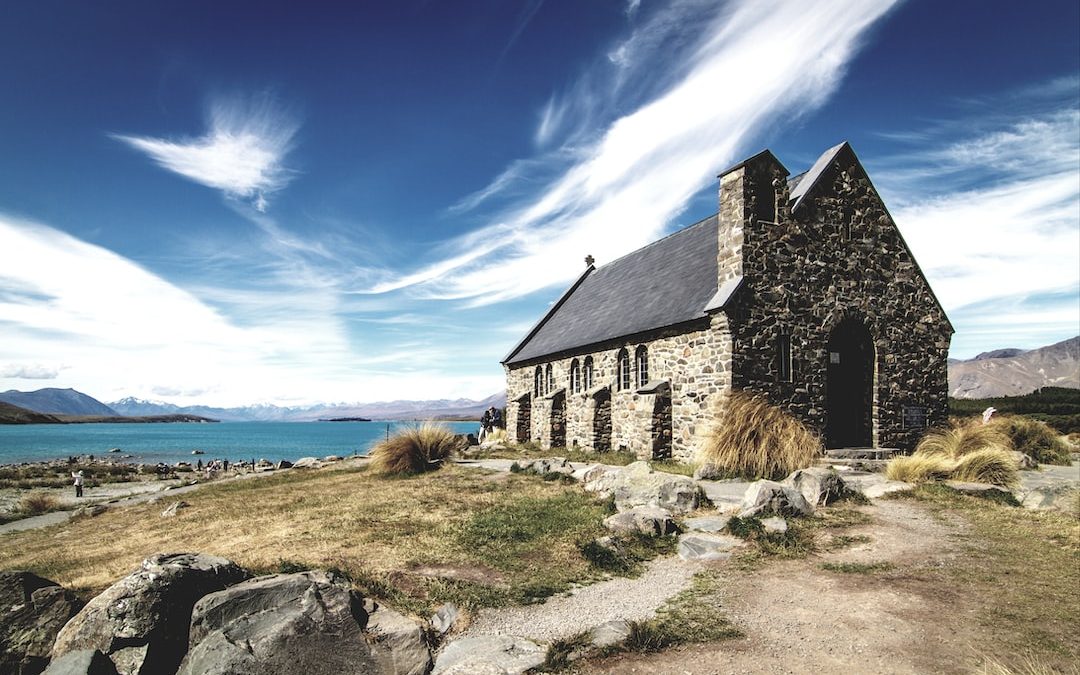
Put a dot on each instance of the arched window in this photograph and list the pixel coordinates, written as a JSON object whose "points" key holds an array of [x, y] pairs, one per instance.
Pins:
{"points": [[575, 377], [622, 371], [641, 365], [550, 387], [538, 382], [586, 376]]}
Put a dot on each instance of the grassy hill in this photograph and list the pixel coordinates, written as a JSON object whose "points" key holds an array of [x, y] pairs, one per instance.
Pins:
{"points": [[13, 414]]}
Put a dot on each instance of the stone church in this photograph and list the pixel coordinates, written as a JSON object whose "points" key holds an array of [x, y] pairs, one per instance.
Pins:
{"points": [[800, 289]]}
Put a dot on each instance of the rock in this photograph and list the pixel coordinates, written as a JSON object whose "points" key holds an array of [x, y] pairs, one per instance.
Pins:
{"points": [[638, 485], [707, 523], [174, 508], [1064, 497], [114, 449], [774, 525], [284, 464], [89, 511], [1025, 462], [332, 458], [306, 463], [767, 497], [875, 485], [402, 646], [82, 662], [547, 465], [32, 612], [264, 465], [647, 520], [609, 634], [308, 622], [710, 471], [489, 654], [702, 546], [444, 619], [141, 622], [818, 485]]}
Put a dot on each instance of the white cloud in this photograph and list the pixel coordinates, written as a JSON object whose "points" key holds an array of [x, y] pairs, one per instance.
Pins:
{"points": [[122, 331], [241, 153], [752, 64], [29, 371]]}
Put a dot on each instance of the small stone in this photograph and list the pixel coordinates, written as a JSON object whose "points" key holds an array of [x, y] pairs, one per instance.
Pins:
{"points": [[774, 525], [647, 520], [707, 546], [444, 618], [174, 508], [707, 523], [765, 497]]}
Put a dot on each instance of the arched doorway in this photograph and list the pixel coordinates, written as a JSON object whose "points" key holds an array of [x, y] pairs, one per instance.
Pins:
{"points": [[849, 386]]}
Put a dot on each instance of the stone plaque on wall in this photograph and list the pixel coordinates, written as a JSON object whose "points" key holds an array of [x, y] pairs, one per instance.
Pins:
{"points": [[914, 417]]}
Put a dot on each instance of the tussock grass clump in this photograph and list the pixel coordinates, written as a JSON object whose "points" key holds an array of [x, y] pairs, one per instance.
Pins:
{"points": [[37, 503], [990, 465], [414, 450], [753, 439], [966, 451], [1033, 438], [920, 468], [961, 438]]}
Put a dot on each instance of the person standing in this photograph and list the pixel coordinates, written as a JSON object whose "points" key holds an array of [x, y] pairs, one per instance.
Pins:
{"points": [[78, 480]]}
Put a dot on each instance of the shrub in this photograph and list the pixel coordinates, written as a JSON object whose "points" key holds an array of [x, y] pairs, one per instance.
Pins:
{"points": [[920, 468], [38, 502], [1033, 438], [990, 465], [414, 450], [962, 437], [753, 439]]}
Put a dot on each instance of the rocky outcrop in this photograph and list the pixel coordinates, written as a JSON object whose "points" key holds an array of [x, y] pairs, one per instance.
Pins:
{"points": [[308, 622], [639, 485], [764, 497], [818, 485], [647, 520], [82, 662], [32, 612], [489, 654], [141, 622]]}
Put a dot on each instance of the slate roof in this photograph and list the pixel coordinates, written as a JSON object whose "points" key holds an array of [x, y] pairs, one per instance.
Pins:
{"points": [[667, 282]]}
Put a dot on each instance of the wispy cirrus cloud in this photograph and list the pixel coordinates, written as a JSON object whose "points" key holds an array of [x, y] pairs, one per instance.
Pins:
{"points": [[990, 205], [706, 78], [241, 153]]}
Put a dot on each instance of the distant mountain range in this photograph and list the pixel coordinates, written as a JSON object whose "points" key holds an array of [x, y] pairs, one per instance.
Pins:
{"points": [[71, 402], [1014, 372], [57, 402]]}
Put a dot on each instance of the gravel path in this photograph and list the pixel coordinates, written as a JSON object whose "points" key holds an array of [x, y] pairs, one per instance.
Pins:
{"points": [[589, 606]]}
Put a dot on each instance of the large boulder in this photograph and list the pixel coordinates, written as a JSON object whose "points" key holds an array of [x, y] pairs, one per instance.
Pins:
{"points": [[1064, 497], [308, 622], [818, 485], [648, 520], [494, 654], [82, 662], [764, 497], [705, 546], [639, 485], [141, 622], [32, 612]]}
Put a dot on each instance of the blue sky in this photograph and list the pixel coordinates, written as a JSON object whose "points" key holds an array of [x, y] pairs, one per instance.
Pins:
{"points": [[232, 203]]}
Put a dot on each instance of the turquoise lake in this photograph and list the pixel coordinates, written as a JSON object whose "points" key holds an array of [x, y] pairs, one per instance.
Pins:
{"points": [[169, 443]]}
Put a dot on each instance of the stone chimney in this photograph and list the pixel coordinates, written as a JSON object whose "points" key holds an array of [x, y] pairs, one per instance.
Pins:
{"points": [[752, 191]]}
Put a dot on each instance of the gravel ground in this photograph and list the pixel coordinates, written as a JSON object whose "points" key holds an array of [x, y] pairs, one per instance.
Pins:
{"points": [[589, 606]]}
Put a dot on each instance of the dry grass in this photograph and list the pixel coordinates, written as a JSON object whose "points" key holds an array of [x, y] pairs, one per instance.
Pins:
{"points": [[1033, 438], [961, 438], [36, 503], [990, 465], [380, 532], [920, 468], [414, 450], [753, 439], [967, 450]]}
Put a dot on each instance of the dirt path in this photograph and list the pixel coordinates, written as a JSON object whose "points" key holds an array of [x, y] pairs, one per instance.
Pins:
{"points": [[800, 618]]}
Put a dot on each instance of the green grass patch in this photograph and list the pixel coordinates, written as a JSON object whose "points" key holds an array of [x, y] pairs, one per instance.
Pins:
{"points": [[560, 653], [842, 541], [857, 568]]}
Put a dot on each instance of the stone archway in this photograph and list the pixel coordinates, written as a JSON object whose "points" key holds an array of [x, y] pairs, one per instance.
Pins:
{"points": [[602, 421], [849, 386], [558, 420]]}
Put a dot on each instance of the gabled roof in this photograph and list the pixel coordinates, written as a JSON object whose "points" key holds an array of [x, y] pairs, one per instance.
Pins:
{"points": [[810, 178], [668, 282]]}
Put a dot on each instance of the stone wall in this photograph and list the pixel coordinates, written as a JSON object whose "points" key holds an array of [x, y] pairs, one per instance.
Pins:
{"points": [[696, 363], [839, 257]]}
